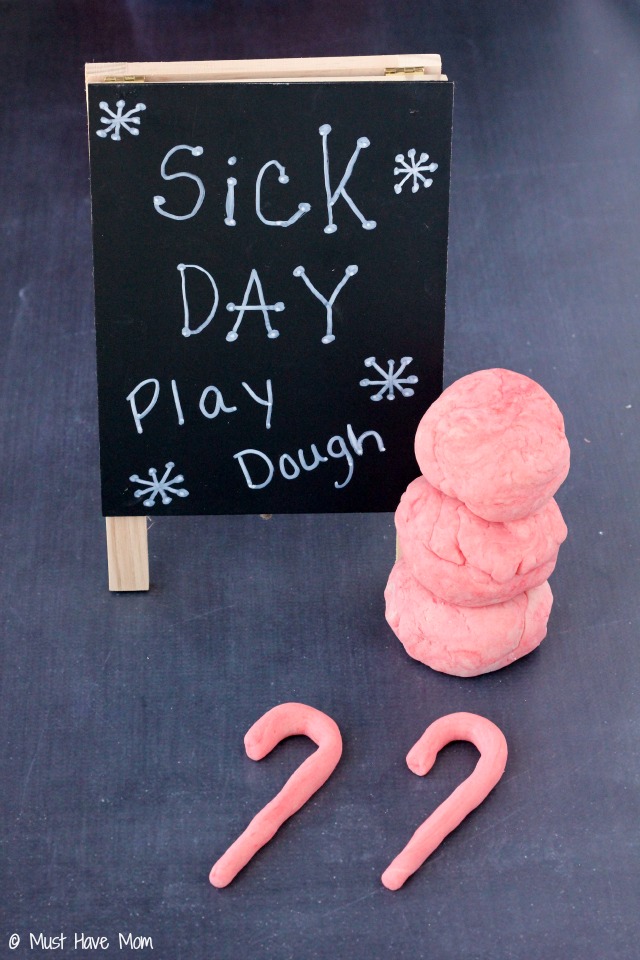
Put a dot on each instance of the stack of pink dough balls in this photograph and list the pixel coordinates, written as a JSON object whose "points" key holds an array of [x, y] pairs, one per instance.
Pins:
{"points": [[479, 531]]}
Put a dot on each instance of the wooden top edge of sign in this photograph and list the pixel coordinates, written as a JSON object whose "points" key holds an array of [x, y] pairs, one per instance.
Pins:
{"points": [[419, 66]]}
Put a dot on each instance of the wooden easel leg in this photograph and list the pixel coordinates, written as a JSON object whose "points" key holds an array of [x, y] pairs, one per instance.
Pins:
{"points": [[398, 549], [127, 553]]}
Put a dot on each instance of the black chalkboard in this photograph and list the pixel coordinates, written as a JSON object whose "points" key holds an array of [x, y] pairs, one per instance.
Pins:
{"points": [[323, 208]]}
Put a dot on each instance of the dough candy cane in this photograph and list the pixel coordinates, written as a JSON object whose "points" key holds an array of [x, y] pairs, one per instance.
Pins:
{"points": [[492, 745], [285, 720]]}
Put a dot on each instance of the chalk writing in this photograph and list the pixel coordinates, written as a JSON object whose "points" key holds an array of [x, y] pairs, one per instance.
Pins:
{"points": [[115, 122], [159, 201], [187, 331], [210, 404], [238, 203], [230, 202], [282, 178], [413, 169], [391, 379], [254, 280], [340, 191], [337, 449], [268, 403], [219, 406], [349, 272], [159, 487], [139, 415], [176, 400]]}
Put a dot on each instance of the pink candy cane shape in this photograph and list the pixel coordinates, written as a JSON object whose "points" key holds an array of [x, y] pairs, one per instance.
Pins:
{"points": [[285, 720], [492, 745]]}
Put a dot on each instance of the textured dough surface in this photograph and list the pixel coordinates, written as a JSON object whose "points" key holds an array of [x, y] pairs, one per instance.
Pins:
{"points": [[494, 440], [464, 641], [469, 561], [491, 743], [283, 720]]}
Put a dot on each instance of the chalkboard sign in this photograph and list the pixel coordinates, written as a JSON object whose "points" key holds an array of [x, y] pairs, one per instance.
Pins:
{"points": [[270, 266]]}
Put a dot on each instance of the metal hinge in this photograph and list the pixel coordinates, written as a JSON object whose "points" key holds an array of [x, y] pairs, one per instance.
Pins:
{"points": [[123, 80], [389, 71]]}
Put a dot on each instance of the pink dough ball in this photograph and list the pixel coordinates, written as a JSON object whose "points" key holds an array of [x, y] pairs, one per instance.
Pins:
{"points": [[469, 561], [494, 440], [464, 641]]}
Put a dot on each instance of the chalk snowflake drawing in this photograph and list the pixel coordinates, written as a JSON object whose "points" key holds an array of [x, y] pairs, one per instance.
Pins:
{"points": [[119, 120], [415, 169], [159, 488], [391, 379]]}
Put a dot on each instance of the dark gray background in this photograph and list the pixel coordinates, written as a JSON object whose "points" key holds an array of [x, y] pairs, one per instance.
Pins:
{"points": [[122, 716]]}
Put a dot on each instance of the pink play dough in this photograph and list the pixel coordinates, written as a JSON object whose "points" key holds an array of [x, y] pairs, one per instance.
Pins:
{"points": [[469, 561], [494, 440], [492, 745], [284, 720], [464, 641]]}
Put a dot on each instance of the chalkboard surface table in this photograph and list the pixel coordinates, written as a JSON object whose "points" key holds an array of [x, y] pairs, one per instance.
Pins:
{"points": [[122, 715]]}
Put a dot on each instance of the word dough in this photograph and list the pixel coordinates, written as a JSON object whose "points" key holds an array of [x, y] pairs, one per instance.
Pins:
{"points": [[285, 720], [464, 641], [491, 743], [494, 440], [290, 467], [469, 561]]}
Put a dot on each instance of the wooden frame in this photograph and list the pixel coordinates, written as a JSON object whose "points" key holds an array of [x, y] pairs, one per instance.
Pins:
{"points": [[127, 553], [127, 543], [399, 67]]}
